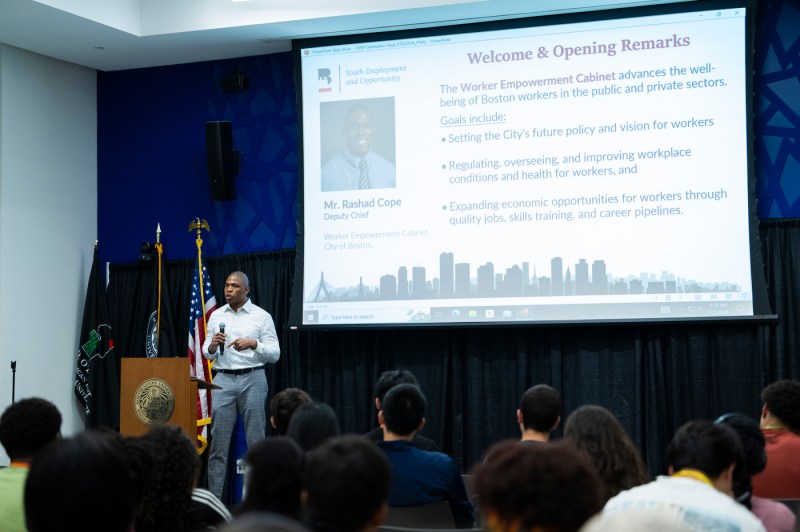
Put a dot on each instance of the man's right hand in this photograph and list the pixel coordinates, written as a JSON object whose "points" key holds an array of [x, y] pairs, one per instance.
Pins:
{"points": [[217, 340]]}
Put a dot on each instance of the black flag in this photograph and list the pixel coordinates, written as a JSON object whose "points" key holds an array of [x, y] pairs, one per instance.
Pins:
{"points": [[160, 337], [97, 371]]}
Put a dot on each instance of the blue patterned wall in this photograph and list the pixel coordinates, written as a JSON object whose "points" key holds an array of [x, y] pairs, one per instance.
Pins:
{"points": [[152, 158], [151, 147], [264, 119], [777, 108]]}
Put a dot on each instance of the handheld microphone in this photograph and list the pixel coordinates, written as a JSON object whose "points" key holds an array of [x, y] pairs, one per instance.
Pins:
{"points": [[222, 347]]}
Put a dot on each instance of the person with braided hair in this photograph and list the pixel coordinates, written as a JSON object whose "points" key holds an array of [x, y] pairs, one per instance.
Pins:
{"points": [[171, 499]]}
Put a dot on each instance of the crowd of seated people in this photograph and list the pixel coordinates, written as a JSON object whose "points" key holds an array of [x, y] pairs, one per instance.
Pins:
{"points": [[309, 477]]}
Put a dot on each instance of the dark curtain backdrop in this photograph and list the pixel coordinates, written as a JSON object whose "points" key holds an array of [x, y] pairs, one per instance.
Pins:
{"points": [[653, 377]]}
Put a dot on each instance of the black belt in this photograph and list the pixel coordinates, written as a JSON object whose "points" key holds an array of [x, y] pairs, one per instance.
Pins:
{"points": [[238, 371]]}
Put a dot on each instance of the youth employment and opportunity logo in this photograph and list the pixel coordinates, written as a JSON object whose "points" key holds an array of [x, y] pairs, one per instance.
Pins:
{"points": [[324, 79]]}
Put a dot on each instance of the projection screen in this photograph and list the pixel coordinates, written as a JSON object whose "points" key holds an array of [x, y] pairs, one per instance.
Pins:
{"points": [[542, 170]]}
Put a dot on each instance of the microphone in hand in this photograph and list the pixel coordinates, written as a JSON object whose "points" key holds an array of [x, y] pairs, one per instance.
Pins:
{"points": [[222, 345]]}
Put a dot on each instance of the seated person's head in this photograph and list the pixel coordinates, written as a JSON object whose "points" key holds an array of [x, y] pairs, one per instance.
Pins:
{"points": [[27, 426], [390, 379], [273, 477], [141, 456], [282, 406], [596, 431], [312, 424], [540, 408], [755, 457], [782, 400], [264, 522], [403, 410], [712, 449], [550, 487], [80, 483], [168, 496], [346, 485]]}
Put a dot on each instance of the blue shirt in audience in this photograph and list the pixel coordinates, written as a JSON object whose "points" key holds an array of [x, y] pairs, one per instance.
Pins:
{"points": [[422, 477]]}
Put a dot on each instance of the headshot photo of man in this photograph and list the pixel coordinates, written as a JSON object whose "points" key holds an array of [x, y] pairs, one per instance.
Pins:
{"points": [[358, 166]]}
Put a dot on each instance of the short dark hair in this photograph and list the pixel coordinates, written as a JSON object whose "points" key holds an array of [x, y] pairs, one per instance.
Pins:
{"points": [[273, 477], [755, 457], [347, 481], [284, 403], [783, 401], [703, 445], [403, 409], [27, 426], [311, 424], [242, 277], [66, 474], [552, 487], [540, 407], [390, 379]]}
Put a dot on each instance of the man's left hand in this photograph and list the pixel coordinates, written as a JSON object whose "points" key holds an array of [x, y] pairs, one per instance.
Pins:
{"points": [[243, 343]]}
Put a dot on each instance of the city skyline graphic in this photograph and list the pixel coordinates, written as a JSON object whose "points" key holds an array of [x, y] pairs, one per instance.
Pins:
{"points": [[457, 281]]}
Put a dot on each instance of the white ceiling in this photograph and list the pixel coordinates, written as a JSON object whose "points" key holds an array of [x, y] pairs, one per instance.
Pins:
{"points": [[123, 34]]}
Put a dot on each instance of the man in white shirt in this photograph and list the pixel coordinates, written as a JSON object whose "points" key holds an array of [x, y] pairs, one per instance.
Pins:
{"points": [[243, 341], [702, 457]]}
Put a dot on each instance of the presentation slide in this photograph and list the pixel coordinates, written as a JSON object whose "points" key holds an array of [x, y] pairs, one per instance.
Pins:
{"points": [[592, 171]]}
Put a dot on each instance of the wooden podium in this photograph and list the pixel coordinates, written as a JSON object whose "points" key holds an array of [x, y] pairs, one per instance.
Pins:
{"points": [[158, 390]]}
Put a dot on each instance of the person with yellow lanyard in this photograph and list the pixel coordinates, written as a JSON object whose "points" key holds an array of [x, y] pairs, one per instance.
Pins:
{"points": [[702, 457]]}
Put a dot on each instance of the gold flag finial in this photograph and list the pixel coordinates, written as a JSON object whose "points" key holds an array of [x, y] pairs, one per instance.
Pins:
{"points": [[198, 224]]}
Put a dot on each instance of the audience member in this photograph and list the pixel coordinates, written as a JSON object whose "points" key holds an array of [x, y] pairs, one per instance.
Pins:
{"points": [[701, 459], [780, 422], [312, 424], [80, 483], [273, 477], [172, 502], [598, 433], [346, 482], [775, 516], [536, 487], [26, 427], [264, 522], [387, 381], [539, 413], [282, 406], [651, 520], [140, 454], [420, 477]]}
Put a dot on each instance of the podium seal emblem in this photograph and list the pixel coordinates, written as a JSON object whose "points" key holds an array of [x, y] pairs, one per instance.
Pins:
{"points": [[153, 402]]}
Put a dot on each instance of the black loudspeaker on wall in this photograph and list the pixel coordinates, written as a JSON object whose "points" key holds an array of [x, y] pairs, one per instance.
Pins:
{"points": [[221, 161]]}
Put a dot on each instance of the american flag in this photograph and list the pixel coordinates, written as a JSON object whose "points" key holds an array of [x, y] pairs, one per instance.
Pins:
{"points": [[202, 304]]}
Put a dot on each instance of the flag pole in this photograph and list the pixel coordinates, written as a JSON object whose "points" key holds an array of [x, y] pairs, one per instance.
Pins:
{"points": [[199, 225], [158, 297]]}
